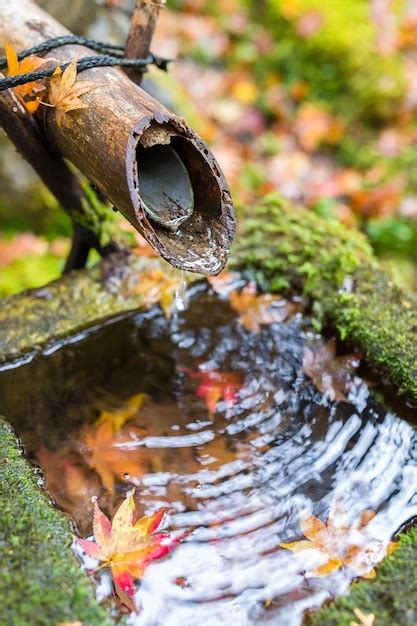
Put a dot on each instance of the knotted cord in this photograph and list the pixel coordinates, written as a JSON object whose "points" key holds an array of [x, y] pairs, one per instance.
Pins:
{"points": [[111, 55]]}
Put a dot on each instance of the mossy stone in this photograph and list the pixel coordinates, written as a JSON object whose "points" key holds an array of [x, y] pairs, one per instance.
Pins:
{"points": [[41, 583]]}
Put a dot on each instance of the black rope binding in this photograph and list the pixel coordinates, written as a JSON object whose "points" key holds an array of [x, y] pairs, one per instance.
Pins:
{"points": [[111, 55]]}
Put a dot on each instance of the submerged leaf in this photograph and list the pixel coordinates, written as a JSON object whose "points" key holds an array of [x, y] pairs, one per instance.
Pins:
{"points": [[111, 453], [256, 311], [216, 386], [119, 417], [331, 374], [70, 482]]}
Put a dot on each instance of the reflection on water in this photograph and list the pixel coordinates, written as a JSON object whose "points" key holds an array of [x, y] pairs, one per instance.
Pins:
{"points": [[233, 437]]}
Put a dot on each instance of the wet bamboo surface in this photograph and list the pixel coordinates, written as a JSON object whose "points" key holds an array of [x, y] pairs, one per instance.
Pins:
{"points": [[102, 141]]}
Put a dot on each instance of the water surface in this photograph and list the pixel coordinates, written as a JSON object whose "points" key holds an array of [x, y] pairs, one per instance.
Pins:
{"points": [[240, 474]]}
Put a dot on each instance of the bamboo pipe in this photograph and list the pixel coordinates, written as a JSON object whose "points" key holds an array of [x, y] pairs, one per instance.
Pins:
{"points": [[144, 159]]}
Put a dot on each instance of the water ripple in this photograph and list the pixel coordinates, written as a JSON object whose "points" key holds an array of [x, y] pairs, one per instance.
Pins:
{"points": [[242, 477]]}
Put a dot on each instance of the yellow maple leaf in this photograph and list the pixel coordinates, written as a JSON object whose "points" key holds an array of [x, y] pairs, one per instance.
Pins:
{"points": [[365, 620], [128, 546], [337, 542], [119, 417], [65, 91], [156, 287], [245, 90], [30, 94]]}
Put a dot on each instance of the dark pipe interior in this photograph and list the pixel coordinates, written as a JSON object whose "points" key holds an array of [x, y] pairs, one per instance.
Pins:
{"points": [[207, 194], [165, 187]]}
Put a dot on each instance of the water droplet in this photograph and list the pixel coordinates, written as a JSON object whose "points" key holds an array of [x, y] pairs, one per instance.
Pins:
{"points": [[181, 297]]}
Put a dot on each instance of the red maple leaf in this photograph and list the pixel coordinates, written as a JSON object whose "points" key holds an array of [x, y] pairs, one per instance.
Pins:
{"points": [[128, 546], [215, 386]]}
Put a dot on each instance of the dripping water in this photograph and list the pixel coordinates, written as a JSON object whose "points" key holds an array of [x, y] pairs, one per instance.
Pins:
{"points": [[181, 296]]}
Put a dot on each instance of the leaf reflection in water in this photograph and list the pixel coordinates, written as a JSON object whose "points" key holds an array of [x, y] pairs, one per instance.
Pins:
{"points": [[239, 472]]}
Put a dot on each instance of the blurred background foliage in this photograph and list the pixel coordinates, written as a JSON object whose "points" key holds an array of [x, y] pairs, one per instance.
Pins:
{"points": [[314, 98]]}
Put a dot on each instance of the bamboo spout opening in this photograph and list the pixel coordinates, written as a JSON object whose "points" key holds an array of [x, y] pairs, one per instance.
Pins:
{"points": [[181, 199]]}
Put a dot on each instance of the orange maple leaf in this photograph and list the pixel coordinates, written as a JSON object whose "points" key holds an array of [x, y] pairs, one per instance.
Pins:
{"points": [[127, 546], [315, 126], [216, 386], [110, 453], [223, 282], [156, 287], [338, 543], [30, 94], [255, 311], [65, 91]]}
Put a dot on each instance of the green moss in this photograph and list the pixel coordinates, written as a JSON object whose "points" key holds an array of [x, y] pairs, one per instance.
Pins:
{"points": [[395, 235], [391, 597], [31, 320], [29, 272], [98, 216], [41, 583], [27, 205], [334, 268]]}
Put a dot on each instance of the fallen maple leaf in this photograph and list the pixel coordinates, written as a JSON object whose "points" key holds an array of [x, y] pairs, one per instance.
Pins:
{"points": [[314, 126], [223, 282], [31, 93], [156, 287], [110, 453], [127, 546], [365, 620], [338, 543], [380, 201], [216, 386], [256, 311], [119, 417], [331, 375], [65, 91], [70, 623]]}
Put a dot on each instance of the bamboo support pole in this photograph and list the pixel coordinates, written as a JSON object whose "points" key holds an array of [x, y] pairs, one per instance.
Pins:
{"points": [[23, 131], [142, 27], [145, 160]]}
